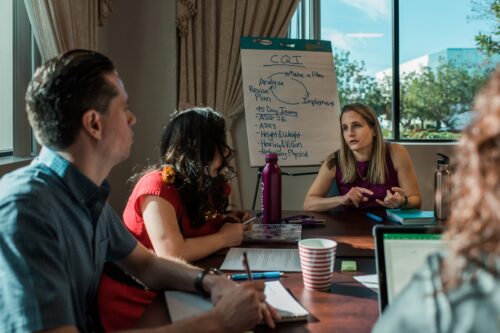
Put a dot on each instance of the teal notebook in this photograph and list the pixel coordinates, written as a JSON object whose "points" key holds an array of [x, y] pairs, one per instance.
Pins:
{"points": [[411, 216]]}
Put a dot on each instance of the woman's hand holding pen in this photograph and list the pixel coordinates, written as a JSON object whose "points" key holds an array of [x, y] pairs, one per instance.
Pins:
{"points": [[232, 229], [232, 234], [236, 217]]}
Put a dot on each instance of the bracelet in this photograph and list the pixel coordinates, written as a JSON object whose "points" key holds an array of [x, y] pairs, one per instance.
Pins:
{"points": [[405, 203], [198, 280]]}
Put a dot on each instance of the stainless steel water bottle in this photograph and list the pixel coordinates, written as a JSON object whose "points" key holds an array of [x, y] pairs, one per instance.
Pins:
{"points": [[271, 190], [442, 190]]}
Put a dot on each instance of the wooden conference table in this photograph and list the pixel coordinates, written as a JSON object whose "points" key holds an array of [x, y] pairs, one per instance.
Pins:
{"points": [[347, 306]]}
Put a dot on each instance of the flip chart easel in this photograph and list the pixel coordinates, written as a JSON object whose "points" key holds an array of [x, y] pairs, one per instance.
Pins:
{"points": [[291, 100]]}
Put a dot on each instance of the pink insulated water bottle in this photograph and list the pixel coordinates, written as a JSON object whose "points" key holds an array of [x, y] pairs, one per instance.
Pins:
{"points": [[271, 190]]}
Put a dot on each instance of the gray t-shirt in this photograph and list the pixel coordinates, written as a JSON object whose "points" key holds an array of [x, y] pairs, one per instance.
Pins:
{"points": [[422, 306], [56, 233]]}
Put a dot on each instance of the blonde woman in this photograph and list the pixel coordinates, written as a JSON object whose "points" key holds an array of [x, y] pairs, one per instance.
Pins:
{"points": [[459, 290], [369, 172]]}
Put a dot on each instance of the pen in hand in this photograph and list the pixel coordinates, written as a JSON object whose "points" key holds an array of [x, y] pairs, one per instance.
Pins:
{"points": [[250, 220], [247, 266]]}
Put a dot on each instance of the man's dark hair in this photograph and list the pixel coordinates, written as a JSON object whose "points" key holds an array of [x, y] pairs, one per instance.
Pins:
{"points": [[62, 90]]}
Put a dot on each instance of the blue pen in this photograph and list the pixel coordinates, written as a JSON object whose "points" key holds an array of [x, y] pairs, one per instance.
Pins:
{"points": [[261, 275], [374, 217]]}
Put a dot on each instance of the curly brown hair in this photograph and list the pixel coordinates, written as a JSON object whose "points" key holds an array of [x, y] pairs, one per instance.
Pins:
{"points": [[474, 224]]}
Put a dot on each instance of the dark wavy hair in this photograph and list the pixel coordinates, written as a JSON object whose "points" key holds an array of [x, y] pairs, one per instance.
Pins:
{"points": [[474, 224], [189, 143], [60, 92]]}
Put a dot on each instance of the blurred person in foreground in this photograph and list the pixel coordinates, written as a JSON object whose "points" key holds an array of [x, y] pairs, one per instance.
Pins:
{"points": [[458, 290]]}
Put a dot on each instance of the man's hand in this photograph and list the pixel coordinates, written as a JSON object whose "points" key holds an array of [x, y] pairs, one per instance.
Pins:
{"points": [[218, 286], [244, 307]]}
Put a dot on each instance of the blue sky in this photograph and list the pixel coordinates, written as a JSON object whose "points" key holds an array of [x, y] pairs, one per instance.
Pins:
{"points": [[363, 27]]}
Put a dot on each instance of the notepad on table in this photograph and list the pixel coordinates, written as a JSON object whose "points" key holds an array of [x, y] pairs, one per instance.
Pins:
{"points": [[411, 216], [282, 260], [182, 305], [369, 281]]}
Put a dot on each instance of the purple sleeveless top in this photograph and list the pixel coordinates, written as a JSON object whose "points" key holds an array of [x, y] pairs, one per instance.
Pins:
{"points": [[379, 190]]}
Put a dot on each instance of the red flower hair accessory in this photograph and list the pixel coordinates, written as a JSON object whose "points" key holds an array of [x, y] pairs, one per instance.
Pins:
{"points": [[168, 174]]}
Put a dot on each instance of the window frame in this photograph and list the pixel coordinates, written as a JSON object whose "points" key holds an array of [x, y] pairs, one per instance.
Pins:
{"points": [[25, 57], [309, 27], [396, 86]]}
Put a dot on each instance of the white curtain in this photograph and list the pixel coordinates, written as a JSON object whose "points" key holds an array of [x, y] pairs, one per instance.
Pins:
{"points": [[209, 55], [62, 25]]}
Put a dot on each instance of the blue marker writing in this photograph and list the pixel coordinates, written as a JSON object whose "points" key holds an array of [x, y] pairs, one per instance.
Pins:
{"points": [[374, 217], [258, 275]]}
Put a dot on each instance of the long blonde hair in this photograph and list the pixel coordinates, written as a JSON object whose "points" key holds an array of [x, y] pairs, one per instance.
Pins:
{"points": [[377, 168], [474, 224]]}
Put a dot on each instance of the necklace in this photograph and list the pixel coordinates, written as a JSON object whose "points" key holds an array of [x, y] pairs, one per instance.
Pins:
{"points": [[363, 178], [359, 174]]}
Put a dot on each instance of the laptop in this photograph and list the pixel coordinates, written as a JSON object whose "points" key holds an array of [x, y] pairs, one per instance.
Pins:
{"points": [[399, 253]]}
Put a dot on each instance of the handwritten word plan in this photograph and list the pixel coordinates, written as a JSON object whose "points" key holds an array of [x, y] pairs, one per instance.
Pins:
{"points": [[291, 100]]}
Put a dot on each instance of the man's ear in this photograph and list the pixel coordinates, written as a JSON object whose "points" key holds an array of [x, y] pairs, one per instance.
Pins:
{"points": [[92, 124]]}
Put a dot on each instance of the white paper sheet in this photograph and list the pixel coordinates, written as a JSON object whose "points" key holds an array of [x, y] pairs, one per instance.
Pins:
{"points": [[182, 305], [369, 281], [284, 260]]}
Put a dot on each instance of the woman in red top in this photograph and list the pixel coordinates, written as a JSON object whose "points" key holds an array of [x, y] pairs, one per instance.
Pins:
{"points": [[177, 209]]}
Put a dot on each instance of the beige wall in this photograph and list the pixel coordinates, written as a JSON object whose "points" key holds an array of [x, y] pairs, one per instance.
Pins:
{"points": [[140, 37]]}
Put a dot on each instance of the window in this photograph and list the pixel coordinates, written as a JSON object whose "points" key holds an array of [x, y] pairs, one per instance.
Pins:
{"points": [[6, 79], [440, 67], [16, 63]]}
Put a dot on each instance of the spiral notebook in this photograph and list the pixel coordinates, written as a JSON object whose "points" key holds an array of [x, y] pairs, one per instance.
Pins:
{"points": [[273, 233], [182, 305]]}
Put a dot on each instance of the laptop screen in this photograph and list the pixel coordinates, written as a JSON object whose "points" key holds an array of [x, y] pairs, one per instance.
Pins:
{"points": [[400, 252]]}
